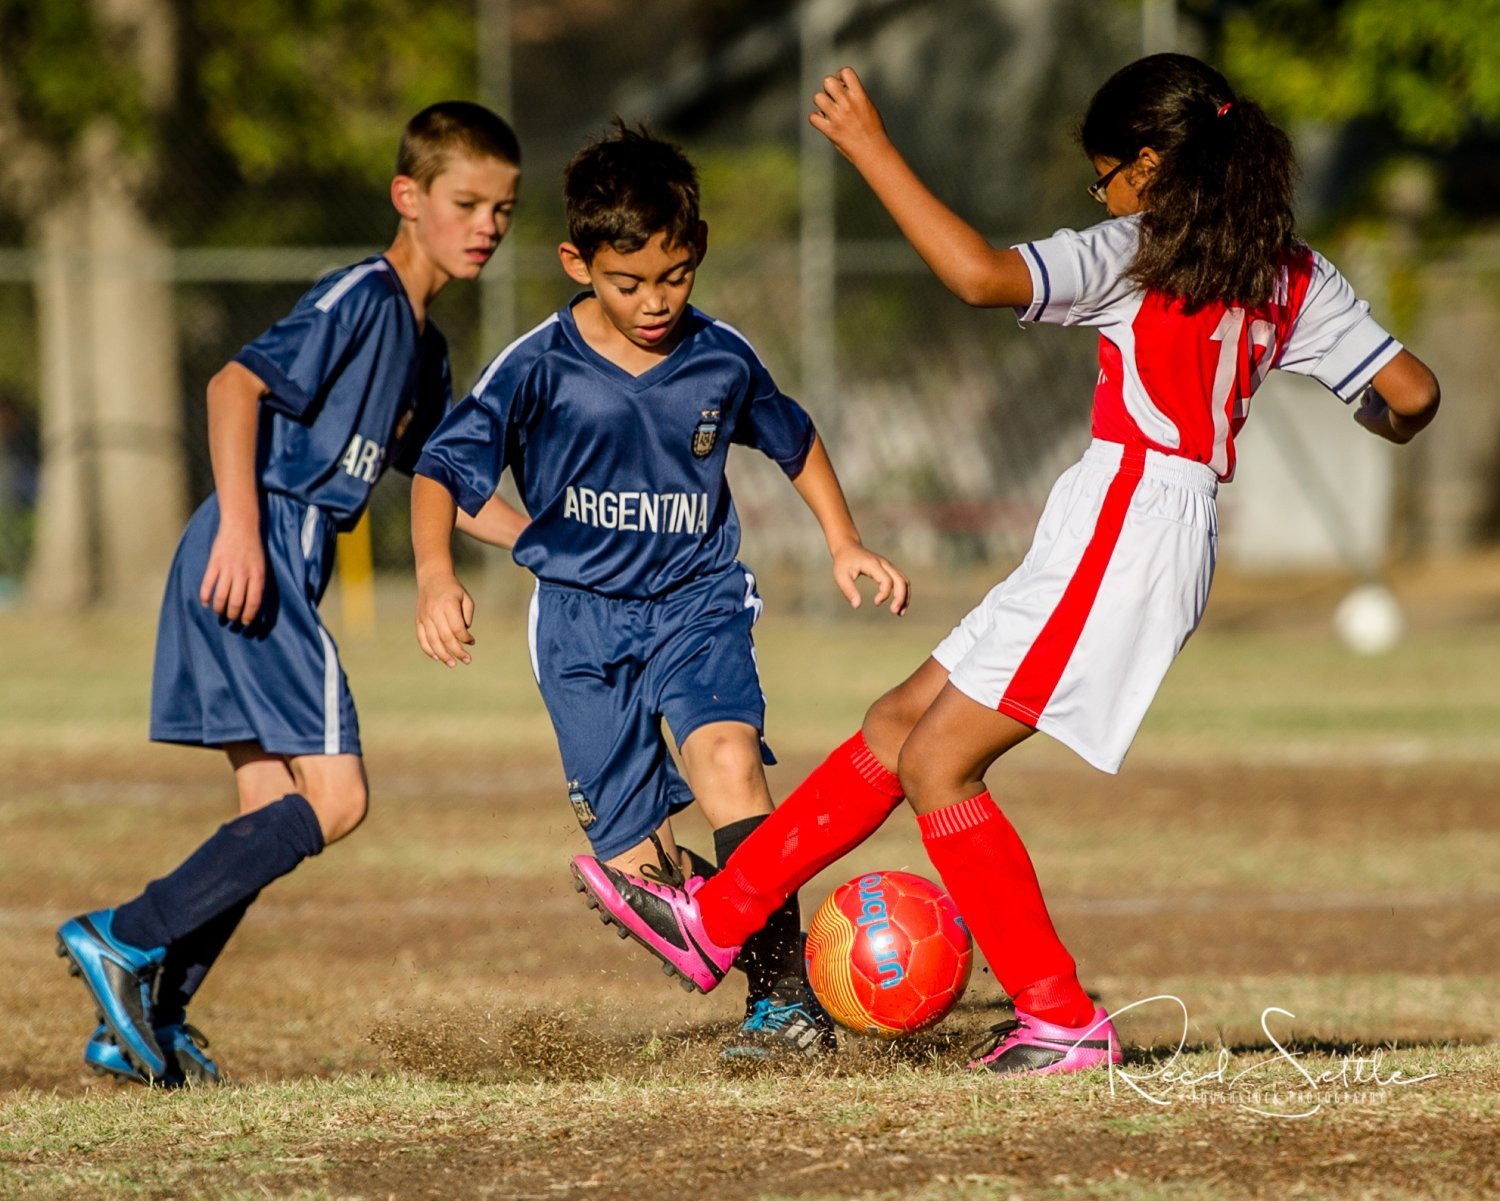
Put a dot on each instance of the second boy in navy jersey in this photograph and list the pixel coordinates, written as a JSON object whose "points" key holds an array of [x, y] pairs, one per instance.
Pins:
{"points": [[616, 416], [302, 423]]}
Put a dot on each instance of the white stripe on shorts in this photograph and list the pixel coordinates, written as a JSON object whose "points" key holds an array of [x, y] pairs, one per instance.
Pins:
{"points": [[532, 611], [331, 716], [309, 530]]}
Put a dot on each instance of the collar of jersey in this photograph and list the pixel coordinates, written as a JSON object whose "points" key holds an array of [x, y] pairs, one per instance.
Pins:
{"points": [[636, 383]]}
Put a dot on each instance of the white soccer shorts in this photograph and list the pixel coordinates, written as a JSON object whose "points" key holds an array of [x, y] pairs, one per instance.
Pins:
{"points": [[1076, 641]]}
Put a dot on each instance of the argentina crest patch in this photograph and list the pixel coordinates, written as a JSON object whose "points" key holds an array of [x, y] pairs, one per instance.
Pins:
{"points": [[706, 433], [582, 810]]}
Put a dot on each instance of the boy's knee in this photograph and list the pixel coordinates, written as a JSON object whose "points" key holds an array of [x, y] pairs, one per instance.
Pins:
{"points": [[728, 753], [340, 809]]}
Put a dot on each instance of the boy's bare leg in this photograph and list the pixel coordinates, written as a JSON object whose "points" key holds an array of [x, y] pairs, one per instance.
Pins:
{"points": [[337, 789], [644, 852], [260, 777], [723, 767]]}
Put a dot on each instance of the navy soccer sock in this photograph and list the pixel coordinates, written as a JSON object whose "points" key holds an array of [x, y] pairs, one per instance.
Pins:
{"points": [[241, 858], [188, 961], [775, 950]]}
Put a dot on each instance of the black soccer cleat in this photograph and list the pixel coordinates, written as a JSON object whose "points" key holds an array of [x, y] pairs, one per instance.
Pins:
{"points": [[787, 1022]]}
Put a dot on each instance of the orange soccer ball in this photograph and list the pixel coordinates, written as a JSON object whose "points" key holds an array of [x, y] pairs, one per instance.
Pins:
{"points": [[888, 954]]}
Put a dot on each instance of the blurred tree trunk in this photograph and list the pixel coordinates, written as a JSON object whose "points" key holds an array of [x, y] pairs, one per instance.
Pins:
{"points": [[112, 493], [61, 573]]}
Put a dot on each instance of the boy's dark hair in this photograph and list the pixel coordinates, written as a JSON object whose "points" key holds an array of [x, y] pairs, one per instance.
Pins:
{"points": [[1218, 212], [624, 188], [453, 126]]}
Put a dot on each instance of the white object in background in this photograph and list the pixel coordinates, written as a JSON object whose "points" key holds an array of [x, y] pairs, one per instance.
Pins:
{"points": [[1369, 621]]}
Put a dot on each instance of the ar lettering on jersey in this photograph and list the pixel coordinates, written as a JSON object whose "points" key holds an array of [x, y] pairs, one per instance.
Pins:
{"points": [[363, 459], [643, 512]]}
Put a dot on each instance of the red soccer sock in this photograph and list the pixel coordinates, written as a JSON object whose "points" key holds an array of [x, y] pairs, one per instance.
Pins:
{"points": [[845, 800], [988, 873]]}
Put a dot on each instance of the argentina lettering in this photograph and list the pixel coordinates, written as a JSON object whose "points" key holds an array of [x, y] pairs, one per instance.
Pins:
{"points": [[645, 512]]}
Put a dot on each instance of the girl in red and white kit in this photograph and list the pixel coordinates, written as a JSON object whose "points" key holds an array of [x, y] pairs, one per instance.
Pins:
{"points": [[1198, 289]]}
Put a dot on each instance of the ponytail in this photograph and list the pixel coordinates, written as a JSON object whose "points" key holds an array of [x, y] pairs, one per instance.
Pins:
{"points": [[1218, 209]]}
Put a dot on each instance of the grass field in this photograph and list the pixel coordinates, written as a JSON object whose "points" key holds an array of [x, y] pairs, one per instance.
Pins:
{"points": [[429, 1011]]}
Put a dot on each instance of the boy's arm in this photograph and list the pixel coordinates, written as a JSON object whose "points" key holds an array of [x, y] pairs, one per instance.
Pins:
{"points": [[819, 488], [1401, 400], [499, 523], [958, 254], [235, 578], [444, 610]]}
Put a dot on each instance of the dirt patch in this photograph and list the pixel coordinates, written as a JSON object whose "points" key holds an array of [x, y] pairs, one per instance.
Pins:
{"points": [[446, 944]]}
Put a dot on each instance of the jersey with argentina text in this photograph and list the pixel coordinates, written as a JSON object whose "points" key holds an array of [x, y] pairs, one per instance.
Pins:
{"points": [[623, 475], [353, 387], [1180, 382]]}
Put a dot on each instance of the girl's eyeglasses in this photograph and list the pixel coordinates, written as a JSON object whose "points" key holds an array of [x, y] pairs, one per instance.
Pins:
{"points": [[1100, 186]]}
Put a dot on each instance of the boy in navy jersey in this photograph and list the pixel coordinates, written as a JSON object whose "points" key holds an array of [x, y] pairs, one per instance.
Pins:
{"points": [[615, 416], [301, 424]]}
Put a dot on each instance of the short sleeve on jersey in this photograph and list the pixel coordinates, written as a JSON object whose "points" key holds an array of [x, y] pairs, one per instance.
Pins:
{"points": [[466, 454], [772, 422], [1334, 339], [1077, 275], [471, 446], [296, 356]]}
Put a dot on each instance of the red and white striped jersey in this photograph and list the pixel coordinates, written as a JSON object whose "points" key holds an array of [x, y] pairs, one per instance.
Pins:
{"points": [[1180, 382]]}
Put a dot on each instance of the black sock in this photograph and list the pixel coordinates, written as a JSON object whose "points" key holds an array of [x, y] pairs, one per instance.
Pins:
{"points": [[240, 859], [775, 950], [188, 961]]}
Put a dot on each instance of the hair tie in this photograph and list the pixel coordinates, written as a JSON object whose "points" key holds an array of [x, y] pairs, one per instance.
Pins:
{"points": [[1224, 108]]}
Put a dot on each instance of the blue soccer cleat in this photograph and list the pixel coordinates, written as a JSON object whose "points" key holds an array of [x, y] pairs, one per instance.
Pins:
{"points": [[104, 1058], [122, 980], [183, 1045], [786, 1023], [187, 1064]]}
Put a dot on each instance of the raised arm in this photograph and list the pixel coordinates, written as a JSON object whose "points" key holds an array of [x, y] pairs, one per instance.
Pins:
{"points": [[976, 272], [235, 579], [1401, 400], [819, 488], [444, 609]]}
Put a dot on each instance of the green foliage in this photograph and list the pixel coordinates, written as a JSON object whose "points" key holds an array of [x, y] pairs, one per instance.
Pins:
{"points": [[66, 71], [272, 92], [325, 84], [1430, 68]]}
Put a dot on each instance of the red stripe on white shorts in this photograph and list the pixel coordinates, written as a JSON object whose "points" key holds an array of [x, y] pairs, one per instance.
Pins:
{"points": [[1042, 667]]}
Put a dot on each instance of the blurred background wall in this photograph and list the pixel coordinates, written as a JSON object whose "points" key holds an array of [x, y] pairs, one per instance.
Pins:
{"points": [[178, 171]]}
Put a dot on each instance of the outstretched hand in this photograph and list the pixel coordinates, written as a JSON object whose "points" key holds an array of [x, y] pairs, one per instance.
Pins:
{"points": [[846, 115], [445, 611], [854, 561]]}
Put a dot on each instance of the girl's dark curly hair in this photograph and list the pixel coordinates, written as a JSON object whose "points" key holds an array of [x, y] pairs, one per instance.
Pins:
{"points": [[1218, 216]]}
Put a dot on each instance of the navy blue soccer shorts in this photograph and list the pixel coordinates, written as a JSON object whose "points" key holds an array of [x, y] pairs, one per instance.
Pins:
{"points": [[612, 670], [277, 681]]}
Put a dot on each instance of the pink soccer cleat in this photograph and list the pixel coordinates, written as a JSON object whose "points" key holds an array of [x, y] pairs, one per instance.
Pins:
{"points": [[1031, 1046], [663, 919]]}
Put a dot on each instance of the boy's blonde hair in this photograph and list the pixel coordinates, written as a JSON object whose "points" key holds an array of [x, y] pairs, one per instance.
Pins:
{"points": [[453, 126]]}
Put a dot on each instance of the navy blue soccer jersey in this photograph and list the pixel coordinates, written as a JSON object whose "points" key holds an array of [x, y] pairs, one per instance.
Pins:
{"points": [[623, 475], [353, 388]]}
